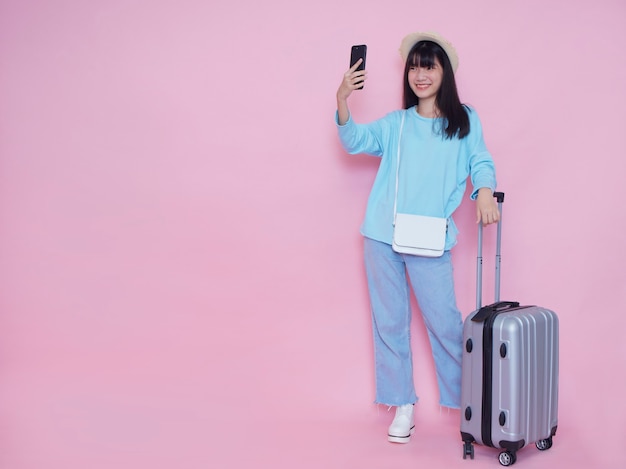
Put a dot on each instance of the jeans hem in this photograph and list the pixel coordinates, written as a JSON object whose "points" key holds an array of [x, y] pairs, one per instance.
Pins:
{"points": [[386, 404], [450, 406]]}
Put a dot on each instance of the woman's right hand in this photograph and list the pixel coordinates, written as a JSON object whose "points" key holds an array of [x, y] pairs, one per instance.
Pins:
{"points": [[352, 80]]}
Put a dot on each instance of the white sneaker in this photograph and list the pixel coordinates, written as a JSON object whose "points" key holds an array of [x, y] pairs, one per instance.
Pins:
{"points": [[403, 425]]}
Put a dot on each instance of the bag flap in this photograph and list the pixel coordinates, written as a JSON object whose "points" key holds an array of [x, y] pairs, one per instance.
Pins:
{"points": [[420, 231]]}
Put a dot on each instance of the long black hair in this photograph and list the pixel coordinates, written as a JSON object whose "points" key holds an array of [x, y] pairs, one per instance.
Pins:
{"points": [[456, 121]]}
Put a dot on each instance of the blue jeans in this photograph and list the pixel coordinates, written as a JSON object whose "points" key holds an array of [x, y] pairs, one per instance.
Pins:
{"points": [[433, 286]]}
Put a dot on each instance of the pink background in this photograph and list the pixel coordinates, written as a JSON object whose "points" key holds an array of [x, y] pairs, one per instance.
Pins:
{"points": [[180, 264]]}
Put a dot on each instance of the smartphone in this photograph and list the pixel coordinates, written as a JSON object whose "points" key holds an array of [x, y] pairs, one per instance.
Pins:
{"points": [[358, 52]]}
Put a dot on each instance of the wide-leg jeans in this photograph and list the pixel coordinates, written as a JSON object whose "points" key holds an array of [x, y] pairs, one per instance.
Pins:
{"points": [[390, 276]]}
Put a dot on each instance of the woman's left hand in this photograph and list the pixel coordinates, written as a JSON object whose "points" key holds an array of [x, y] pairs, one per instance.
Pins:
{"points": [[486, 207]]}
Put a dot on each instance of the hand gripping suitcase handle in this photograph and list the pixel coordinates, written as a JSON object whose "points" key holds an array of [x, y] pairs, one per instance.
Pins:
{"points": [[499, 196]]}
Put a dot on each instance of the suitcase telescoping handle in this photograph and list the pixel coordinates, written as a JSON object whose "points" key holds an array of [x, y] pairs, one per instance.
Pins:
{"points": [[479, 260]]}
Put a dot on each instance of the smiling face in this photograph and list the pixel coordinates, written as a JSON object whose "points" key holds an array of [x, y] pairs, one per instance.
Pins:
{"points": [[430, 88], [425, 79], [428, 78]]}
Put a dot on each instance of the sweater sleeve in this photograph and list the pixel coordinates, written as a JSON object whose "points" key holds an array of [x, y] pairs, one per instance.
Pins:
{"points": [[361, 138], [481, 166]]}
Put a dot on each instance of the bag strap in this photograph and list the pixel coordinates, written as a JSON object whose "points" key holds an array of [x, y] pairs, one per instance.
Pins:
{"points": [[395, 200]]}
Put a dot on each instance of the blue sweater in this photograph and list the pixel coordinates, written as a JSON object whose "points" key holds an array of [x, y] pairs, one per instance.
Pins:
{"points": [[433, 169]]}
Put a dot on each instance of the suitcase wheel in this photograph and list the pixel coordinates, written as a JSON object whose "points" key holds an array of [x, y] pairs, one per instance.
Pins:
{"points": [[543, 445], [468, 450], [507, 458]]}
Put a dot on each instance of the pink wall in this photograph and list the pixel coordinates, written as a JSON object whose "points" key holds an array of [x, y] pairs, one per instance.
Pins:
{"points": [[180, 262]]}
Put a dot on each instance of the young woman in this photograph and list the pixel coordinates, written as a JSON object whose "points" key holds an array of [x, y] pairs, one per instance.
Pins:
{"points": [[441, 146]]}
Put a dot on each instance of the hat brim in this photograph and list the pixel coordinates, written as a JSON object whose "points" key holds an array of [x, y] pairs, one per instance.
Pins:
{"points": [[409, 41]]}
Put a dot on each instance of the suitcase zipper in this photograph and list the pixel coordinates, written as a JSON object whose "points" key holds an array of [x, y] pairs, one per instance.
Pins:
{"points": [[488, 378]]}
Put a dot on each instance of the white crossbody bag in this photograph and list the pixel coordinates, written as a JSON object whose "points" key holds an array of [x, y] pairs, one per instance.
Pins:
{"points": [[416, 234]]}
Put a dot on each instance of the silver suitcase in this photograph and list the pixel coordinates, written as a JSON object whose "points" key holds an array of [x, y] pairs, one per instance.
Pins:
{"points": [[509, 388]]}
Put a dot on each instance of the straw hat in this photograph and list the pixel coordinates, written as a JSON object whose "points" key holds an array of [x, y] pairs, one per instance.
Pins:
{"points": [[409, 41]]}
